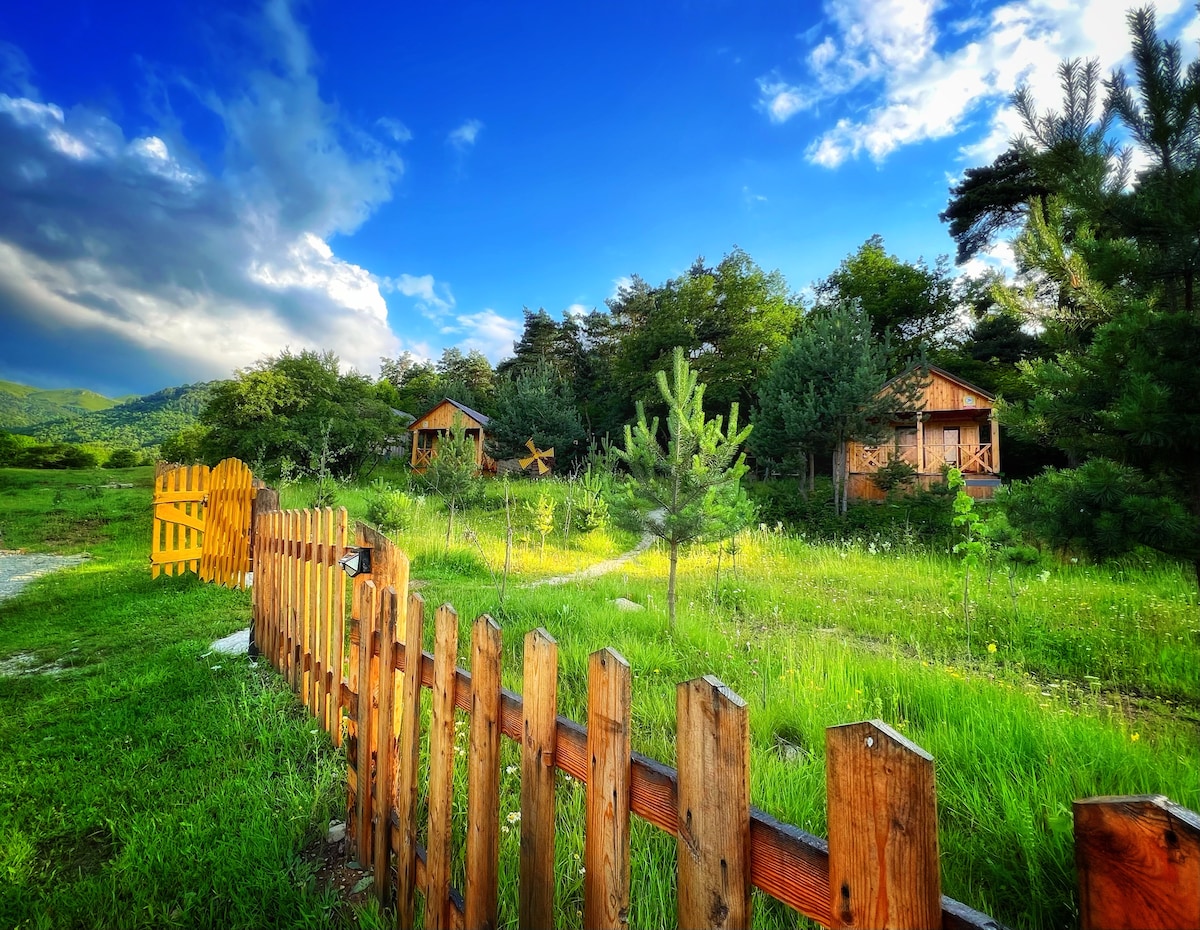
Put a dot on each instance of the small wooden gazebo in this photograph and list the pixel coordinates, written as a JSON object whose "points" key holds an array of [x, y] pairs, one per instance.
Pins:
{"points": [[428, 429]]}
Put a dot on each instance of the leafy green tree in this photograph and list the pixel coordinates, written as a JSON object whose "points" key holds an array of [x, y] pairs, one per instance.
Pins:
{"points": [[913, 305], [122, 458], [185, 446], [453, 475], [822, 392], [693, 482], [539, 405], [299, 408], [467, 378]]}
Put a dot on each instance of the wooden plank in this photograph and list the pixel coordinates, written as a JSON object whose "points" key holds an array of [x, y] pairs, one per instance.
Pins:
{"points": [[539, 712], [483, 778], [883, 847], [407, 755], [385, 762], [178, 555], [164, 496], [1138, 860], [341, 529], [365, 605], [320, 662], [307, 529], [606, 834], [441, 769], [713, 753], [171, 514]]}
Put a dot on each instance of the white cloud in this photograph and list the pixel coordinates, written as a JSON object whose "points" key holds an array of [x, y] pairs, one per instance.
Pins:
{"points": [[750, 198], [132, 242], [577, 310], [464, 136], [395, 129], [619, 284], [432, 298], [900, 76], [487, 331]]}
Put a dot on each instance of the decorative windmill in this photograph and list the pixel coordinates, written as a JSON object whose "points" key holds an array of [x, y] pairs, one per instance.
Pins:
{"points": [[538, 456]]}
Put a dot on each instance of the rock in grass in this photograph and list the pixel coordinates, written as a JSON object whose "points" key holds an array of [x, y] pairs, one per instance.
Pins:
{"points": [[625, 604], [336, 832]]}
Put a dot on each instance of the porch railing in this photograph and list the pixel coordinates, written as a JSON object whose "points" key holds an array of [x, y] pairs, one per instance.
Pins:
{"points": [[969, 457]]}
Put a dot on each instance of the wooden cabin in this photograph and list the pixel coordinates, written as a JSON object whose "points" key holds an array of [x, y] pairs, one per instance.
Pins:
{"points": [[428, 429], [956, 426]]}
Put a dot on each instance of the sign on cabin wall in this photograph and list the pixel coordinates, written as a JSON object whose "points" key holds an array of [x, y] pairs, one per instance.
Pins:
{"points": [[968, 400]]}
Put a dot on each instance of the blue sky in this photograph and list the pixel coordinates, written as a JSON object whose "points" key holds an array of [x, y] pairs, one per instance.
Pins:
{"points": [[186, 188]]}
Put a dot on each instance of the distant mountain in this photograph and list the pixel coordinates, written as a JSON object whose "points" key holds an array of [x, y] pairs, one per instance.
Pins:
{"points": [[136, 423], [22, 405]]}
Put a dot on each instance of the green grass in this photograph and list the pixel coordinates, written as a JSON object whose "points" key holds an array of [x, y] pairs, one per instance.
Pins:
{"points": [[145, 788]]}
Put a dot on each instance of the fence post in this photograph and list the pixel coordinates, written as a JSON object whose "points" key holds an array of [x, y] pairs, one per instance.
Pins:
{"points": [[539, 730], [883, 847], [407, 756], [265, 501], [365, 606], [385, 753], [441, 770], [483, 778], [713, 753], [606, 834], [1138, 860]]}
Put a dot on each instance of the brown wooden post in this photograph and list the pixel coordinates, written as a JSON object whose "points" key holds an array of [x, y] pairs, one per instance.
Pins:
{"points": [[365, 607], [407, 756], [339, 620], [713, 751], [995, 442], [606, 834], [1138, 860], [441, 770], [483, 778], [540, 710], [385, 762], [883, 846], [307, 532]]}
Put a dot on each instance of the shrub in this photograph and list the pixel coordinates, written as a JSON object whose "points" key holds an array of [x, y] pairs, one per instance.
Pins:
{"points": [[122, 458], [389, 508]]}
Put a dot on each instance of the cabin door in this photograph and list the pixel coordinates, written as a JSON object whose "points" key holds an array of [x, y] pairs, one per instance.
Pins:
{"points": [[950, 445]]}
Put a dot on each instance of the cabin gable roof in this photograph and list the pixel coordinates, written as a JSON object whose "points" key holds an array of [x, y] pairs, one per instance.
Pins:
{"points": [[479, 420], [940, 374]]}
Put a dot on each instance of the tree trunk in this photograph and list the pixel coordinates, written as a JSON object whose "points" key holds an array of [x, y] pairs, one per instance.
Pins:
{"points": [[671, 584]]}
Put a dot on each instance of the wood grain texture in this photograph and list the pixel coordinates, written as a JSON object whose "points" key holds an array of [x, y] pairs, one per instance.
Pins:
{"points": [[883, 848], [538, 728], [713, 755], [385, 763], [606, 833], [365, 607], [483, 778], [407, 756], [441, 769], [341, 531], [1138, 861]]}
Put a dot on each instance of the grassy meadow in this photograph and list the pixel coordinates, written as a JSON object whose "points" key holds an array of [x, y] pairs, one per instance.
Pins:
{"points": [[149, 784]]}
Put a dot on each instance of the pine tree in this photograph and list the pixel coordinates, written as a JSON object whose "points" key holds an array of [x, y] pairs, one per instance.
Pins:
{"points": [[694, 481]]}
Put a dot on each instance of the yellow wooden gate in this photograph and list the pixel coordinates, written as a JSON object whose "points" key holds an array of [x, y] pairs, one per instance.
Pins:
{"points": [[202, 522]]}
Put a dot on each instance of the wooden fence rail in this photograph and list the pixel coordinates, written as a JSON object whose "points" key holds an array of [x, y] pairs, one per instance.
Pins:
{"points": [[1138, 858]]}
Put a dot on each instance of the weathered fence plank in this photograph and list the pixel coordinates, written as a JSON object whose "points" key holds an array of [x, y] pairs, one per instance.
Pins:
{"points": [[713, 758], [1138, 860], [483, 778], [536, 888], [606, 834], [365, 607], [385, 762], [408, 754], [441, 770], [883, 848]]}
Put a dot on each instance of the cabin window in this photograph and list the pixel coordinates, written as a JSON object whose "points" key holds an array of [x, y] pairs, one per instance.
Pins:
{"points": [[906, 436]]}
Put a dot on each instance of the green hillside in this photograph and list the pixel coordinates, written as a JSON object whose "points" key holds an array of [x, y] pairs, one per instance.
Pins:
{"points": [[77, 415], [144, 421], [25, 406]]}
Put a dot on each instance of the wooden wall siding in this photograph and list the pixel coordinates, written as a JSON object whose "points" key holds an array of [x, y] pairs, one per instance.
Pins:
{"points": [[1138, 858], [942, 393], [445, 416], [202, 522]]}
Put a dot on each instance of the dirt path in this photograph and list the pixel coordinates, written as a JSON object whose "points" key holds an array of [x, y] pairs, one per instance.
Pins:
{"points": [[608, 565], [17, 569]]}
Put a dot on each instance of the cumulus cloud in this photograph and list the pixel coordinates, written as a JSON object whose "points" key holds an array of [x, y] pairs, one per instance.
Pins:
{"points": [[395, 129], [902, 75], [465, 135], [487, 331], [136, 244]]}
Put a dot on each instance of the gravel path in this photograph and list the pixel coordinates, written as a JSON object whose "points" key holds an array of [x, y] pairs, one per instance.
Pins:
{"points": [[17, 569], [608, 565]]}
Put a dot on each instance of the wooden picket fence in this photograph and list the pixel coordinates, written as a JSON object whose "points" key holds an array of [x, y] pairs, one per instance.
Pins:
{"points": [[1138, 858], [202, 522]]}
